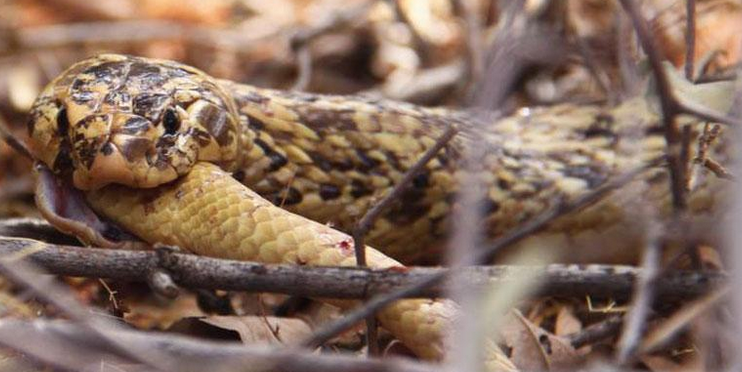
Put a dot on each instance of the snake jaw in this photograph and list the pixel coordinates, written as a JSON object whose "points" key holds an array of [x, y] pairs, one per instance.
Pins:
{"points": [[133, 121]]}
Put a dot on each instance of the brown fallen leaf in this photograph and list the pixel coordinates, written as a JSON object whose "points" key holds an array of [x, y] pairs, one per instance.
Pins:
{"points": [[263, 330], [534, 349]]}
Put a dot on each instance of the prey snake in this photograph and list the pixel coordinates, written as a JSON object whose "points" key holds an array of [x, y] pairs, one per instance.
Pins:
{"points": [[165, 152]]}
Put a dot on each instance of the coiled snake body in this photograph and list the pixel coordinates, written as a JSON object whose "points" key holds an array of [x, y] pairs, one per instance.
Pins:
{"points": [[165, 152]]}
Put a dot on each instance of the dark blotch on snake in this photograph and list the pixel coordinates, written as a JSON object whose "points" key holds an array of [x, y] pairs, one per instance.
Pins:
{"points": [[328, 191]]}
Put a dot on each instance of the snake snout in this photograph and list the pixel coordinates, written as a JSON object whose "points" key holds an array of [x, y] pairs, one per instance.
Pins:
{"points": [[133, 121]]}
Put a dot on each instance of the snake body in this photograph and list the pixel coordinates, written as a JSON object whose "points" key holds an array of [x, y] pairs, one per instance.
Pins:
{"points": [[166, 152]]}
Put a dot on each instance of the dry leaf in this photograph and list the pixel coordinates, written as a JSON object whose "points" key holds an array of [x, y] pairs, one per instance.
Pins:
{"points": [[263, 330], [534, 349]]}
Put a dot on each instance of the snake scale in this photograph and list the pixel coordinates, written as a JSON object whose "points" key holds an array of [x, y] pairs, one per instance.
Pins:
{"points": [[166, 152]]}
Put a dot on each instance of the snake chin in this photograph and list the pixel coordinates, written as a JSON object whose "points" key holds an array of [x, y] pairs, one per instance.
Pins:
{"points": [[133, 121]]}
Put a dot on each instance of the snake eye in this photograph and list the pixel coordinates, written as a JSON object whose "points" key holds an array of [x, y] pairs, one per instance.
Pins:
{"points": [[171, 121], [63, 123]]}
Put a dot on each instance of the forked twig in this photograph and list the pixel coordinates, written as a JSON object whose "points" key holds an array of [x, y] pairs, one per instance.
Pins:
{"points": [[534, 225], [368, 220]]}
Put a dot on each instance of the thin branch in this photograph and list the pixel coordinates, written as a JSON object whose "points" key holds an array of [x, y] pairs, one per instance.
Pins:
{"points": [[71, 347], [671, 106], [596, 332], [668, 102], [690, 38], [191, 271], [368, 220], [642, 306]]}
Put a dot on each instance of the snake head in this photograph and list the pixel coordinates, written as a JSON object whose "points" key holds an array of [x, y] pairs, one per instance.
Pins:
{"points": [[133, 121]]}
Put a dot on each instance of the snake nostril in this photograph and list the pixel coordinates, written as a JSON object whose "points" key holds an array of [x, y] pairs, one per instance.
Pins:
{"points": [[63, 122], [171, 121]]}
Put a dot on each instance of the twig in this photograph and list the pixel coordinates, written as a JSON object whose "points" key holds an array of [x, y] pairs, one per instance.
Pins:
{"points": [[303, 67], [668, 102], [642, 305], [368, 220], [596, 332], [33, 228], [534, 225], [70, 347], [191, 271], [690, 38], [671, 107]]}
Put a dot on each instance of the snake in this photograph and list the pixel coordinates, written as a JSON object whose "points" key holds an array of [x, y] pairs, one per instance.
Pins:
{"points": [[163, 153]]}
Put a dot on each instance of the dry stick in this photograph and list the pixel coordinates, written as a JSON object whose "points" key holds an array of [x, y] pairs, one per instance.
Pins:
{"points": [[366, 223], [690, 38], [199, 272], [670, 108], [637, 317], [668, 102], [534, 225], [596, 332], [368, 220], [69, 347]]}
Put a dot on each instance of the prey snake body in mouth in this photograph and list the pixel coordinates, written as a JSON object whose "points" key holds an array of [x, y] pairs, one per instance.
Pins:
{"points": [[165, 152]]}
